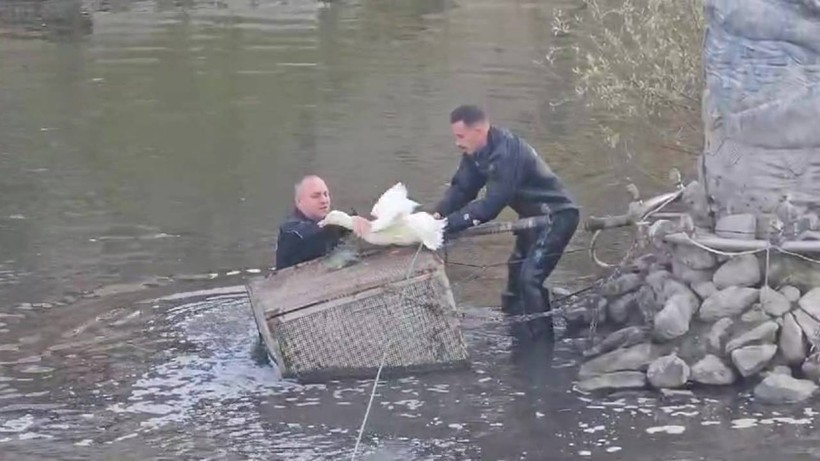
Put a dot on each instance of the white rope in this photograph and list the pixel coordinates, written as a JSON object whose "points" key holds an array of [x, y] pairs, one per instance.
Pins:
{"points": [[384, 356], [791, 253], [724, 253]]}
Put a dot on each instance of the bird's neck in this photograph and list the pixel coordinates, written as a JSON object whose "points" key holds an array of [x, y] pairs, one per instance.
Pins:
{"points": [[345, 220]]}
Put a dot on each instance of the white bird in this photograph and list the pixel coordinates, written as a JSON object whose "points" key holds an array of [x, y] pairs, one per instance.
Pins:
{"points": [[395, 222], [392, 204]]}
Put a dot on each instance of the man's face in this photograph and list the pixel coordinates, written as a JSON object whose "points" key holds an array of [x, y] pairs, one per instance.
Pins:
{"points": [[470, 139], [314, 199]]}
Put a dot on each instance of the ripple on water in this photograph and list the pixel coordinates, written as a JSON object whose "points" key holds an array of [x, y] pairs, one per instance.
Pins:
{"points": [[220, 372]]}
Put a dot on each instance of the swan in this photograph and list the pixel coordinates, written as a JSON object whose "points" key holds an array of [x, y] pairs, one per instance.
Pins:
{"points": [[396, 222]]}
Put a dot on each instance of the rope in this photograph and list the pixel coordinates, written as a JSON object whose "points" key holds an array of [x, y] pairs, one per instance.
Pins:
{"points": [[384, 357]]}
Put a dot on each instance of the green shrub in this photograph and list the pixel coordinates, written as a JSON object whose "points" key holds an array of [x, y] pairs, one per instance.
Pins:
{"points": [[639, 62]]}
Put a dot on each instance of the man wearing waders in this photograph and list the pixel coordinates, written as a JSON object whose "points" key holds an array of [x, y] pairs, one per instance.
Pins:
{"points": [[515, 176]]}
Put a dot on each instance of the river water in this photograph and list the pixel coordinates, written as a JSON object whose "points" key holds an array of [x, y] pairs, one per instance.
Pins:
{"points": [[144, 168]]}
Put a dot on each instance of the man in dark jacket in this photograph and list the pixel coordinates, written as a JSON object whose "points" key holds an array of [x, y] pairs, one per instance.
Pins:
{"points": [[300, 237], [515, 176]]}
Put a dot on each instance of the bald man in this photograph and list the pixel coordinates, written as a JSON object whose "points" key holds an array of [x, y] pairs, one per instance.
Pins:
{"points": [[300, 237]]}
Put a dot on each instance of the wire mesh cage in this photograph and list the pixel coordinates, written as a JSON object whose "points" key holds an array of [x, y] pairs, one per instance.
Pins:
{"points": [[322, 322]]}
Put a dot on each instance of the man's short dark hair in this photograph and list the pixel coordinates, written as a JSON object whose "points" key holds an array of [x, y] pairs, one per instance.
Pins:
{"points": [[468, 114]]}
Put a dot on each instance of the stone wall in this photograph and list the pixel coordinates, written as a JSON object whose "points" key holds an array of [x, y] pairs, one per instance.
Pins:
{"points": [[685, 316]]}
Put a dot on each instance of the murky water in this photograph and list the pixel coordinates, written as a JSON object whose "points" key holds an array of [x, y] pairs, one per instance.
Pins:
{"points": [[144, 168]]}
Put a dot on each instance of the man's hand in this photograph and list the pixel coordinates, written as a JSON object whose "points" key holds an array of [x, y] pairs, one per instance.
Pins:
{"points": [[361, 226], [436, 215]]}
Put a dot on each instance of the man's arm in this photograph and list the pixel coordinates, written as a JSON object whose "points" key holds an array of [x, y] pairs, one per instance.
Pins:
{"points": [[464, 186], [504, 176]]}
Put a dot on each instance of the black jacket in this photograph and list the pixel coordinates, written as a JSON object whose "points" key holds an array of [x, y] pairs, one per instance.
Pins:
{"points": [[301, 239], [515, 176]]}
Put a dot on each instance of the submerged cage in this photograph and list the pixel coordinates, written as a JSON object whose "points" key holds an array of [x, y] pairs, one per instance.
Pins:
{"points": [[321, 322]]}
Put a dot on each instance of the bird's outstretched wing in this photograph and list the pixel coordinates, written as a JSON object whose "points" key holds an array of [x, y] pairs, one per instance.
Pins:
{"points": [[392, 204]]}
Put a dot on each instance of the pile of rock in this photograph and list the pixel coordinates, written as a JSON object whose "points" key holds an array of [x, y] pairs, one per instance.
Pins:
{"points": [[687, 316]]}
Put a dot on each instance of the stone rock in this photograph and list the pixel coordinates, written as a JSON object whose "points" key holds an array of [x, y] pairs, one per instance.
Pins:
{"points": [[625, 337], [668, 372], [791, 293], [755, 314], [673, 320], [645, 263], [774, 302], [581, 313], [737, 226], [765, 333], [811, 301], [697, 202], [648, 303], [622, 285], [616, 380], [656, 281], [704, 289], [791, 342], [685, 273], [790, 270], [718, 334], [619, 309], [750, 360], [810, 326], [692, 346], [694, 257], [811, 367], [629, 359], [781, 370], [781, 388], [712, 370], [741, 271], [808, 314], [728, 302]]}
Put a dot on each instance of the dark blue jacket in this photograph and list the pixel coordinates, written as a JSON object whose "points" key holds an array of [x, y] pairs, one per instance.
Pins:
{"points": [[301, 239], [515, 176]]}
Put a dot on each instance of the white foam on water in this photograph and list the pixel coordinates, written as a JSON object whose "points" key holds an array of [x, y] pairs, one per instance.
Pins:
{"points": [[171, 392], [236, 289], [34, 435], [672, 429], [584, 453], [710, 423], [613, 449], [20, 424], [84, 443], [595, 429], [793, 421], [410, 404], [744, 423]]}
